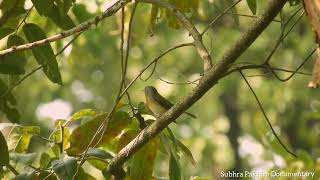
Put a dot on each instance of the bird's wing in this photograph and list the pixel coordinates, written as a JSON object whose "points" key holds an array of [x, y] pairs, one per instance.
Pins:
{"points": [[164, 102]]}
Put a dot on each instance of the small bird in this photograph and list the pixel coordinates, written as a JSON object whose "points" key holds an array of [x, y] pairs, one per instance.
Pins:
{"points": [[157, 103]]}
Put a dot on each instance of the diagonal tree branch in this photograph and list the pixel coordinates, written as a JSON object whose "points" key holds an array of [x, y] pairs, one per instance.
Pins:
{"points": [[209, 79]]}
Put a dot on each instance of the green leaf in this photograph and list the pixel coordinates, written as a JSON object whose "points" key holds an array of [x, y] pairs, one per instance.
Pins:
{"points": [[99, 153], [26, 133], [23, 143], [45, 160], [7, 103], [143, 161], [43, 7], [98, 163], [188, 7], [12, 11], [63, 21], [30, 129], [19, 137], [54, 151], [186, 152], [174, 168], [65, 169], [64, 6], [56, 135], [8, 96], [97, 158], [83, 113], [4, 153], [86, 131], [81, 13], [7, 5], [58, 14], [25, 176], [4, 31], [44, 54], [46, 175], [294, 2], [126, 137], [252, 5], [26, 159], [13, 63]]}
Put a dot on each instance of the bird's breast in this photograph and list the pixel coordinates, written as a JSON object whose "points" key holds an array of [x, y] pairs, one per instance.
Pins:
{"points": [[155, 107]]}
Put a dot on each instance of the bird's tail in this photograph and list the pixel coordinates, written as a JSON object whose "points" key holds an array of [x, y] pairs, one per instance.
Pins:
{"points": [[191, 115]]}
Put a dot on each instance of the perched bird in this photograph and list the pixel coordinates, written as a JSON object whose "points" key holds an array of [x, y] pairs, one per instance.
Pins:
{"points": [[157, 103]]}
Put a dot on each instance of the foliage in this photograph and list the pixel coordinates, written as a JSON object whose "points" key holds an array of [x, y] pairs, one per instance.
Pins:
{"points": [[91, 137]]}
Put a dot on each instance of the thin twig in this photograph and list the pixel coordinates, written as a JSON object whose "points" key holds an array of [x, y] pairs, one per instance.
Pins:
{"points": [[12, 169], [266, 117], [181, 83], [250, 16], [219, 16], [154, 61], [283, 35], [298, 68], [24, 19]]}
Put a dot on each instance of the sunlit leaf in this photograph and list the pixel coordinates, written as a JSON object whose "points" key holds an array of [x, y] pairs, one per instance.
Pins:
{"points": [[54, 151], [56, 135], [44, 54], [19, 137], [86, 131], [83, 113], [4, 153], [23, 143], [45, 160], [143, 161]]}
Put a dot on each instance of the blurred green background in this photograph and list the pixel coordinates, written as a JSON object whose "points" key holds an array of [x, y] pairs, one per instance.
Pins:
{"points": [[230, 132]]}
